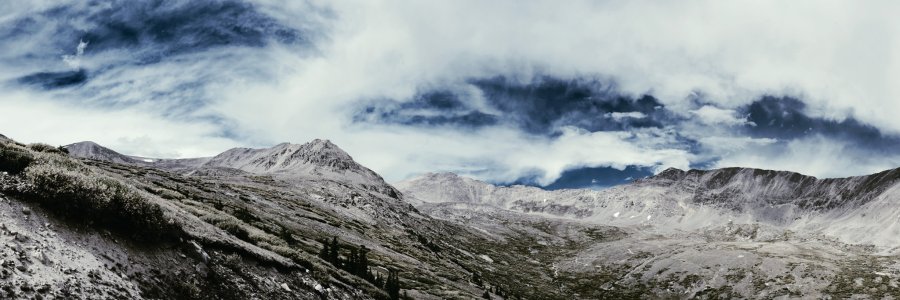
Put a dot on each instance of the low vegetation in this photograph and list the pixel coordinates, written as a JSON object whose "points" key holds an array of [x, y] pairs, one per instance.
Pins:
{"points": [[14, 158], [75, 191]]}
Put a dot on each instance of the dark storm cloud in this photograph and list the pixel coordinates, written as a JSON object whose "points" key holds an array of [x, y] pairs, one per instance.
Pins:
{"points": [[543, 107], [148, 31], [786, 118], [156, 28], [433, 108], [539, 107], [53, 80], [548, 103], [165, 28]]}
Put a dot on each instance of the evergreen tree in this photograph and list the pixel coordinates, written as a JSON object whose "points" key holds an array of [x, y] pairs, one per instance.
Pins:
{"points": [[392, 285], [378, 281], [486, 295], [333, 254], [362, 262], [351, 264]]}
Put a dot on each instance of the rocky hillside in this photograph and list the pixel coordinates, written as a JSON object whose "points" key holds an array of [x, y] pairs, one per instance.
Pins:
{"points": [[729, 233], [307, 222], [316, 160], [677, 199], [91, 150], [730, 186], [94, 151], [176, 230]]}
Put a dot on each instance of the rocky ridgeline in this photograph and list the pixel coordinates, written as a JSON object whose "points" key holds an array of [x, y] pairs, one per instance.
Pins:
{"points": [[731, 186], [318, 160]]}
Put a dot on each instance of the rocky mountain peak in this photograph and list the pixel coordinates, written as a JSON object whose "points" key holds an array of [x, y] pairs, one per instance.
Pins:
{"points": [[326, 154], [286, 157], [670, 174], [319, 158]]}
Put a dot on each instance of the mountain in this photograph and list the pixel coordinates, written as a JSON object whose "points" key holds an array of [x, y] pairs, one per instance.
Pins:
{"points": [[241, 225], [318, 159], [743, 185], [91, 150], [679, 199], [724, 233], [94, 151], [263, 223]]}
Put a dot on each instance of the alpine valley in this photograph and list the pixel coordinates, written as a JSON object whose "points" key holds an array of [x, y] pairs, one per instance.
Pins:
{"points": [[305, 221]]}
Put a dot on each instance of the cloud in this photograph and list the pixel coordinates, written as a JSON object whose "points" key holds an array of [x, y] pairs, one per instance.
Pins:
{"points": [[499, 90], [816, 155], [54, 80], [29, 117], [711, 115], [619, 116], [541, 106]]}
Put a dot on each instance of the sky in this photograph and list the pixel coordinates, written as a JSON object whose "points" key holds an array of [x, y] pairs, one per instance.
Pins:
{"points": [[578, 94]]}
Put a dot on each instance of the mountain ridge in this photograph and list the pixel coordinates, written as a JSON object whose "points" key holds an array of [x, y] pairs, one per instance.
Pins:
{"points": [[319, 159], [684, 199]]}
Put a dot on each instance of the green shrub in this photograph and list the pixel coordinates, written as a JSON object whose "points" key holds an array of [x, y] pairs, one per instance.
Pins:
{"points": [[14, 159], [68, 187], [41, 147]]}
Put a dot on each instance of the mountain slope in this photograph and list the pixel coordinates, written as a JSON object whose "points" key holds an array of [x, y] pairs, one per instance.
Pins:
{"points": [[94, 151], [91, 150], [676, 199], [318, 159], [250, 220], [729, 233], [72, 230], [237, 234], [742, 185]]}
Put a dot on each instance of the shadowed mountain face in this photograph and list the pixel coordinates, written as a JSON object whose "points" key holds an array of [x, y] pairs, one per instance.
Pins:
{"points": [[777, 187]]}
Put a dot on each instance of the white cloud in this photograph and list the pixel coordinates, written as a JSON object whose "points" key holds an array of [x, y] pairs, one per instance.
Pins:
{"points": [[619, 116], [832, 53], [837, 56], [32, 118], [711, 115], [816, 156]]}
